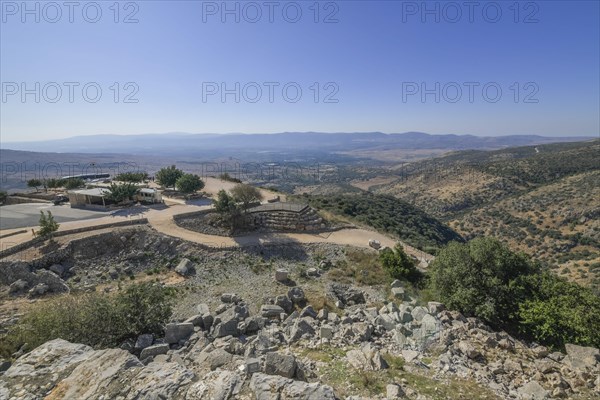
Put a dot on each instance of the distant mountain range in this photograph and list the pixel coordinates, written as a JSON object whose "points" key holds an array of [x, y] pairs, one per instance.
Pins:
{"points": [[185, 144]]}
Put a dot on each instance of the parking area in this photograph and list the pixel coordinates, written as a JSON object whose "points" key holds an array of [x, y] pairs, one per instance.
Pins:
{"points": [[28, 214]]}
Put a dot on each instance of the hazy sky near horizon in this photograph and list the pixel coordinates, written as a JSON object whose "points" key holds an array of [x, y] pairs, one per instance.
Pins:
{"points": [[483, 68]]}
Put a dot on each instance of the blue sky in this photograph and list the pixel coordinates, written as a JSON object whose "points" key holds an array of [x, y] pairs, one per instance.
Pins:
{"points": [[375, 61]]}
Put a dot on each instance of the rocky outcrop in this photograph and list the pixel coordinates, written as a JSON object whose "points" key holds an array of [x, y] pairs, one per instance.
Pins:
{"points": [[23, 278], [239, 355]]}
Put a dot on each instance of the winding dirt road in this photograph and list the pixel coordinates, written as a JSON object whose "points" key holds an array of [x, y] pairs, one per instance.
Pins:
{"points": [[161, 219]]}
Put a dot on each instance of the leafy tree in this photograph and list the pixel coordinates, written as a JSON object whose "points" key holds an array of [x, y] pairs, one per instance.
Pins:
{"points": [[167, 176], [226, 206], [246, 194], [122, 192], [189, 183], [224, 203], [3, 196], [73, 183], [398, 264], [558, 312], [47, 224], [134, 177], [35, 183], [54, 183], [481, 278]]}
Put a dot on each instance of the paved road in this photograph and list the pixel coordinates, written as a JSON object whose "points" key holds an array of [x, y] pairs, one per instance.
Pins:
{"points": [[28, 214]]}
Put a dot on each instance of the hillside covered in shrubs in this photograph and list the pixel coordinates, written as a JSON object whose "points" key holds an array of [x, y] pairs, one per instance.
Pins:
{"points": [[388, 214]]}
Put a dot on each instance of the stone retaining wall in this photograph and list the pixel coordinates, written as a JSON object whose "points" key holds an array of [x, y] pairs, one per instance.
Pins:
{"points": [[306, 220]]}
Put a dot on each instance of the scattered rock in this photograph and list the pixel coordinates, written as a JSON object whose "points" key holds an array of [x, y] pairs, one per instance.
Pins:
{"points": [[38, 290], [58, 269], [285, 303], [281, 275], [468, 349], [398, 292], [394, 391], [296, 295], [143, 341], [279, 364], [179, 331], [270, 387], [229, 298], [582, 357], [155, 350], [185, 267], [271, 311], [367, 358], [532, 391], [18, 286]]}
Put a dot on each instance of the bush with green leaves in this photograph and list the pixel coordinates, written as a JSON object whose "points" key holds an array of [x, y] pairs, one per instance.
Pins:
{"points": [[558, 312], [96, 319], [134, 177], [122, 192], [246, 194], [54, 183], [398, 264], [480, 278], [224, 202], [167, 176], [229, 211], [35, 183], [72, 183], [483, 278], [189, 183], [48, 224]]}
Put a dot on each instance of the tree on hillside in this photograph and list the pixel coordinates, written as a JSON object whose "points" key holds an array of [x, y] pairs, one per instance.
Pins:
{"points": [[47, 224], [224, 202], [3, 196], [481, 278], [135, 177], [398, 264], [557, 312], [35, 183], [122, 192], [246, 194], [167, 176], [189, 183], [226, 206]]}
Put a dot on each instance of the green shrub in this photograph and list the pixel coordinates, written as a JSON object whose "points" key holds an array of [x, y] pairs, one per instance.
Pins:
{"points": [[483, 278], [95, 319], [559, 312], [480, 278], [47, 224], [189, 183], [134, 177], [398, 264]]}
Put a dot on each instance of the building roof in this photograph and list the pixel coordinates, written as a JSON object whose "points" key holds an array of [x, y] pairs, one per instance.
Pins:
{"points": [[95, 192], [148, 190]]}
